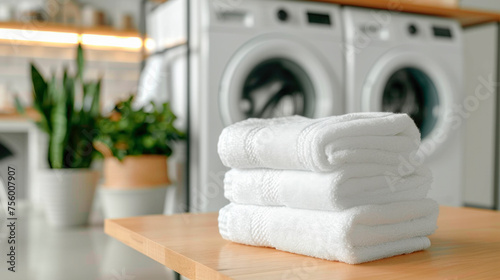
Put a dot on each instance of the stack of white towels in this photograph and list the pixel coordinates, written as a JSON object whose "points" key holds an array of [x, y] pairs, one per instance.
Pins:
{"points": [[331, 188]]}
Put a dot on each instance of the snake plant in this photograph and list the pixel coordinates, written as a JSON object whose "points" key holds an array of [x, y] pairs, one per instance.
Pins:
{"points": [[71, 129]]}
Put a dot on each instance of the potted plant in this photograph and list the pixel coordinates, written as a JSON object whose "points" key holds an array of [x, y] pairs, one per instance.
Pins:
{"points": [[69, 184], [136, 143]]}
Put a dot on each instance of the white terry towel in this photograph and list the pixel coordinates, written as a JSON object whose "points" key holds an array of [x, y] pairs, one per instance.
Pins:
{"points": [[318, 144], [338, 190], [356, 235]]}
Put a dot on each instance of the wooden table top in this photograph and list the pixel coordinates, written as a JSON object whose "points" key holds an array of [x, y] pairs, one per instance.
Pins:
{"points": [[466, 16], [466, 246]]}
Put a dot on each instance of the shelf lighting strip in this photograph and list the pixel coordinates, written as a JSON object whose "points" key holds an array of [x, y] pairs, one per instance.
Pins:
{"points": [[14, 35]]}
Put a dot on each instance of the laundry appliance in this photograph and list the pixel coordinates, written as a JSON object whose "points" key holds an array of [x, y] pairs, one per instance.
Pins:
{"points": [[406, 63], [251, 59], [258, 59]]}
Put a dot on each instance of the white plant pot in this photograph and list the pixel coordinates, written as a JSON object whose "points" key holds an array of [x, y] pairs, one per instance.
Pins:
{"points": [[67, 195], [120, 203]]}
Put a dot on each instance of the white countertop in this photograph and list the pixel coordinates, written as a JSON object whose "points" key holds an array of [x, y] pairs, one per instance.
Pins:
{"points": [[15, 126], [83, 253]]}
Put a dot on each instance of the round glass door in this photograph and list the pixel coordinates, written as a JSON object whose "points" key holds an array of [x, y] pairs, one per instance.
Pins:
{"points": [[411, 91], [277, 87], [275, 76]]}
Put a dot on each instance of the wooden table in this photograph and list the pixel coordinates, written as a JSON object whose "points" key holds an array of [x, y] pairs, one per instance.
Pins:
{"points": [[466, 246]]}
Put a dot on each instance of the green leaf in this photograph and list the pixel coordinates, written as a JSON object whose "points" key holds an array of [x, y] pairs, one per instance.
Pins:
{"points": [[41, 98], [59, 133], [148, 142], [69, 91], [39, 85], [89, 93], [50, 100], [80, 62], [95, 108], [19, 106]]}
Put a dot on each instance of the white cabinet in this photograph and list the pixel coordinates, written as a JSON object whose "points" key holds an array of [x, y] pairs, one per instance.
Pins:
{"points": [[480, 67]]}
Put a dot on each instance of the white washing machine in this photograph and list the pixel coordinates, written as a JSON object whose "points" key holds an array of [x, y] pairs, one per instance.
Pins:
{"points": [[248, 59], [398, 62], [257, 59]]}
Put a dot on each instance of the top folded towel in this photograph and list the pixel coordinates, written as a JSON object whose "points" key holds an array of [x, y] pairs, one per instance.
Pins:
{"points": [[318, 145]]}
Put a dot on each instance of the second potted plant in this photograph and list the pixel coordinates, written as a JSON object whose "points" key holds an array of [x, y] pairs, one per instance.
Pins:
{"points": [[136, 144]]}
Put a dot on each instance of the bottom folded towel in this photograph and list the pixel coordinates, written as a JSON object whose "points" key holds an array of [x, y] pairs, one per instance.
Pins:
{"points": [[358, 255], [356, 235]]}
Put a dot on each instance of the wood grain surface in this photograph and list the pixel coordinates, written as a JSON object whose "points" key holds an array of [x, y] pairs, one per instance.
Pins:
{"points": [[467, 17], [466, 246]]}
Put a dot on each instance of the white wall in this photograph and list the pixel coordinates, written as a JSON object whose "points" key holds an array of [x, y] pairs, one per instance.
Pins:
{"points": [[490, 5], [480, 74], [119, 69], [115, 8]]}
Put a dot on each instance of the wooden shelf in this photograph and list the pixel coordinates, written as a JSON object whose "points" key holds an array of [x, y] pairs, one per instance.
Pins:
{"points": [[466, 17], [52, 34], [465, 245], [12, 115], [54, 27]]}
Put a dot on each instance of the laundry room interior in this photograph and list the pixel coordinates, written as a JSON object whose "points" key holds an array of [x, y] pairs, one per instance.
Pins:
{"points": [[122, 109]]}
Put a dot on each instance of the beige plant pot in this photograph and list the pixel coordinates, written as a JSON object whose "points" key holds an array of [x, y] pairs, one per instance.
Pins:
{"points": [[136, 172], [135, 186]]}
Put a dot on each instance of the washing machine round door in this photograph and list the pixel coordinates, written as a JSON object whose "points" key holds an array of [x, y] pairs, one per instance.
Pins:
{"points": [[408, 82], [275, 77]]}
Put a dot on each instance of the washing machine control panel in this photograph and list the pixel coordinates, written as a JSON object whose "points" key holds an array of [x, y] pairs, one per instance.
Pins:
{"points": [[442, 32], [291, 17], [318, 18], [437, 31], [312, 18]]}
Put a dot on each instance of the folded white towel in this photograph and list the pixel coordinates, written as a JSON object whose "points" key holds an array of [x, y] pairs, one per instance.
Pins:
{"points": [[339, 190], [355, 235], [318, 144]]}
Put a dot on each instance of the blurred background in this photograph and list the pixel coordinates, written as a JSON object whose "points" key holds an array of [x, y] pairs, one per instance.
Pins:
{"points": [[146, 95]]}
